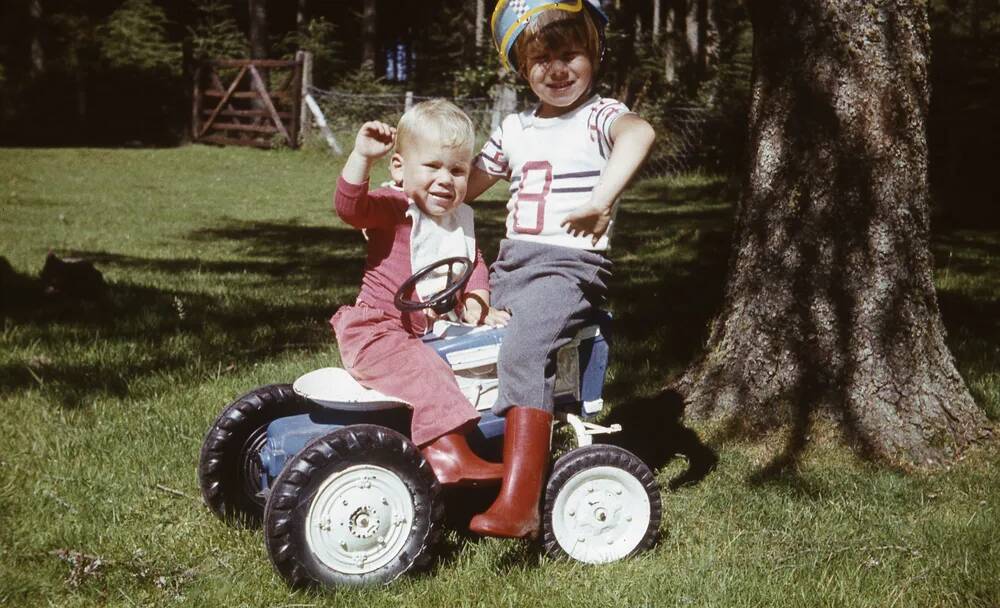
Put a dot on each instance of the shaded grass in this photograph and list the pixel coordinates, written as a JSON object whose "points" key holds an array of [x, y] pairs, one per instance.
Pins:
{"points": [[223, 267]]}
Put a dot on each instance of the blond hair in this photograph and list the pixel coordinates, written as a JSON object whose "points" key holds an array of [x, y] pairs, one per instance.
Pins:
{"points": [[439, 118], [554, 30]]}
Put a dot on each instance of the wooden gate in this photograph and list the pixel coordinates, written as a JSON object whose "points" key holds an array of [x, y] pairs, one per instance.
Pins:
{"points": [[247, 111]]}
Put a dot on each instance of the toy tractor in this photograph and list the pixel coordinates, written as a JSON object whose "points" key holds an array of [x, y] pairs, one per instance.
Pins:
{"points": [[345, 498]]}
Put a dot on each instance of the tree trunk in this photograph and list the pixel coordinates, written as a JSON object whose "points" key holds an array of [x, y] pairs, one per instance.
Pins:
{"points": [[682, 43], [670, 47], [36, 56], [258, 29], [830, 305], [368, 22], [80, 80], [691, 27], [624, 52], [701, 47], [300, 17], [480, 24], [656, 21]]}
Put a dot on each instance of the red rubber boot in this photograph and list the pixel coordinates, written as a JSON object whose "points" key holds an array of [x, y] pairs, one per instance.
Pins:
{"points": [[514, 514], [455, 464]]}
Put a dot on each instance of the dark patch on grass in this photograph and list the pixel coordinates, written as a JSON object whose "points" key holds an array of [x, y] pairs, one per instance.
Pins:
{"points": [[143, 319], [517, 556], [652, 429], [663, 304], [254, 323]]}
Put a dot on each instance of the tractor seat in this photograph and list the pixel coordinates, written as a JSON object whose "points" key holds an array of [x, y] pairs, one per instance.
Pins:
{"points": [[335, 388]]}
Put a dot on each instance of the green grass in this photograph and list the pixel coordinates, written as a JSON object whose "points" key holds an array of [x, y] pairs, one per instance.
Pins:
{"points": [[224, 266]]}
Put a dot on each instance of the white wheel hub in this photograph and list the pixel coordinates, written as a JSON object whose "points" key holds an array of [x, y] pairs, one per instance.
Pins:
{"points": [[359, 519], [600, 515]]}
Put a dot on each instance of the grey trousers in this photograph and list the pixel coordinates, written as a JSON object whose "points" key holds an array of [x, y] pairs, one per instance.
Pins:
{"points": [[551, 292]]}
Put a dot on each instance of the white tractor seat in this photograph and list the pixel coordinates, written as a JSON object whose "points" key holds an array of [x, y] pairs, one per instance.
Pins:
{"points": [[334, 387]]}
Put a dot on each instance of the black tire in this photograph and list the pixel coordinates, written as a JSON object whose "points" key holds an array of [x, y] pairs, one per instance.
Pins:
{"points": [[228, 467], [321, 519], [601, 504]]}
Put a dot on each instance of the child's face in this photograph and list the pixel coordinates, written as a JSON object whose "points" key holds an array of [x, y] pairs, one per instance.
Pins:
{"points": [[435, 176], [559, 77]]}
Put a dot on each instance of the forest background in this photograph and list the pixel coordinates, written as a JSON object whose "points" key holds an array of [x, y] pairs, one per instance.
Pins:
{"points": [[114, 72]]}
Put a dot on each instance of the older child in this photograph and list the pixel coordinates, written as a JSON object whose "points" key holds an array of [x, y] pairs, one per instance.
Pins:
{"points": [[420, 219], [567, 160]]}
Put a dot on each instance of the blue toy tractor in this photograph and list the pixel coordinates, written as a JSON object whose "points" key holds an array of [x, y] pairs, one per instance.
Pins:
{"points": [[345, 498]]}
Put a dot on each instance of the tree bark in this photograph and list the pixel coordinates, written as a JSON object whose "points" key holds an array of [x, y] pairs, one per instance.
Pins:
{"points": [[259, 47], [368, 23], [830, 304]]}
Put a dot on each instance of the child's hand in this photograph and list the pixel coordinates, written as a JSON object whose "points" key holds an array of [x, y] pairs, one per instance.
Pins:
{"points": [[496, 318], [477, 311], [592, 219], [375, 139]]}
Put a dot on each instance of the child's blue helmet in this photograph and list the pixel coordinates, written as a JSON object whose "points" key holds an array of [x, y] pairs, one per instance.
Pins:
{"points": [[511, 17]]}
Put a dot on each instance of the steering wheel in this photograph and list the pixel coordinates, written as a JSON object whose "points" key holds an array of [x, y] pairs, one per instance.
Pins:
{"points": [[441, 301]]}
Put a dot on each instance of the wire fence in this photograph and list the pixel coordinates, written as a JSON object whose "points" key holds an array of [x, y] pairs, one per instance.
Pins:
{"points": [[680, 145]]}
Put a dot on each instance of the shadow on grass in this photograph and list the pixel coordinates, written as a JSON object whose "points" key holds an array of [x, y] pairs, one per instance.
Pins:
{"points": [[652, 429], [279, 300]]}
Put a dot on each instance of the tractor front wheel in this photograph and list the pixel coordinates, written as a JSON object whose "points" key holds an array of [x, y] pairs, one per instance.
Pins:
{"points": [[601, 504], [359, 506]]}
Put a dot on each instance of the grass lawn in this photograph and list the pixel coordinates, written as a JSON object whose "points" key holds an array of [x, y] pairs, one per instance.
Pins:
{"points": [[224, 266]]}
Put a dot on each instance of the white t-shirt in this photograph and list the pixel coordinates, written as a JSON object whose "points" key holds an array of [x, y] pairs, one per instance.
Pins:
{"points": [[552, 165]]}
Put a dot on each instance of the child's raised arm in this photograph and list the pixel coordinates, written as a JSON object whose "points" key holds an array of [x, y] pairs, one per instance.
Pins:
{"points": [[632, 138], [352, 203], [375, 139]]}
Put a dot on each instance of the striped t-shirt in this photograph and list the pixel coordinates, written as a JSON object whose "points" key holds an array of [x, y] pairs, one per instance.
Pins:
{"points": [[552, 165]]}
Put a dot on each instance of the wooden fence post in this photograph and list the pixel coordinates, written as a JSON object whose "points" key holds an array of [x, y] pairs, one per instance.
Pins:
{"points": [[331, 140], [196, 104], [306, 59], [504, 103]]}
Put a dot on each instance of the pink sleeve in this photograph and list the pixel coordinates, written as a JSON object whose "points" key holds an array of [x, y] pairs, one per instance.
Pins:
{"points": [[356, 206], [480, 278]]}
